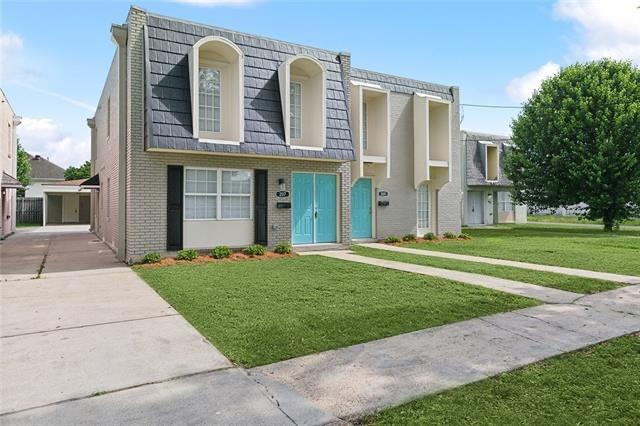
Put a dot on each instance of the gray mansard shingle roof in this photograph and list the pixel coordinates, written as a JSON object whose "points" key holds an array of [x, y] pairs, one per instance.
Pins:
{"points": [[401, 84], [168, 109], [475, 161]]}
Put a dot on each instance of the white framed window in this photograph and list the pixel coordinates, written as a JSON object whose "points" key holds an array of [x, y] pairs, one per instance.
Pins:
{"points": [[296, 110], [423, 206], [236, 194], [217, 194], [210, 91], [365, 126], [200, 194], [505, 202]]}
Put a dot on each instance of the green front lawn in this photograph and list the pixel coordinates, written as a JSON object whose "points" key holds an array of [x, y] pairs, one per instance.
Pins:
{"points": [[571, 246], [546, 279], [597, 385], [259, 312], [549, 218]]}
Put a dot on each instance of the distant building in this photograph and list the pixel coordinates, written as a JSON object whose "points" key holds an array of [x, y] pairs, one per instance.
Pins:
{"points": [[42, 172], [487, 189], [8, 161], [64, 202]]}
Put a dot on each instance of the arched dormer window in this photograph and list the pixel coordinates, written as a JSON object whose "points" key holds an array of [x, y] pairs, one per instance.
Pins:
{"points": [[216, 76], [303, 96]]}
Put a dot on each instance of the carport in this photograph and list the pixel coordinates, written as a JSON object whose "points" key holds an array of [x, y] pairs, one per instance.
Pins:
{"points": [[66, 203]]}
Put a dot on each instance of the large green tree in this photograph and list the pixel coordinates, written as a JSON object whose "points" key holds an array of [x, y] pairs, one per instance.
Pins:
{"points": [[577, 139], [82, 172], [24, 168]]}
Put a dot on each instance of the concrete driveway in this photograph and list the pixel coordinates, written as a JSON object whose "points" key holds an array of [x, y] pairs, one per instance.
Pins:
{"points": [[84, 340]]}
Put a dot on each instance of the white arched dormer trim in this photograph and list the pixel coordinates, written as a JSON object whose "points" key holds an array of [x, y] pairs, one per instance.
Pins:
{"points": [[223, 55], [311, 76]]}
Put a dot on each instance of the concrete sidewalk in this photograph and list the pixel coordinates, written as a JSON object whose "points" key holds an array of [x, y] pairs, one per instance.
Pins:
{"points": [[358, 380], [624, 279], [544, 294], [89, 342]]}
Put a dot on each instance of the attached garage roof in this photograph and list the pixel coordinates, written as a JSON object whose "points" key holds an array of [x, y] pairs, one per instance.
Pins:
{"points": [[10, 182], [92, 182], [75, 182]]}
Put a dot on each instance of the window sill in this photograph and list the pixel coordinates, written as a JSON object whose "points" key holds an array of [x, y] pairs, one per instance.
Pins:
{"points": [[308, 148], [219, 141]]}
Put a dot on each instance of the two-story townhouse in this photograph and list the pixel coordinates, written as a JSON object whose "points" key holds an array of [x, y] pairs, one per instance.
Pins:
{"points": [[205, 136], [487, 189], [9, 121]]}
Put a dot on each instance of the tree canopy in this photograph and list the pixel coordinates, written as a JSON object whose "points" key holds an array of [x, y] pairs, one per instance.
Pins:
{"points": [[577, 139], [24, 167], [82, 172]]}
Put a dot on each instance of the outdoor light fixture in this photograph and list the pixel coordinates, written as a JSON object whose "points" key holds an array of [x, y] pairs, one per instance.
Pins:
{"points": [[281, 184]]}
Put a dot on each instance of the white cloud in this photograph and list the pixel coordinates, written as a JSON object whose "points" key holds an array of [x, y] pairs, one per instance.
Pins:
{"points": [[521, 88], [10, 41], [14, 65], [605, 28], [44, 136], [216, 2]]}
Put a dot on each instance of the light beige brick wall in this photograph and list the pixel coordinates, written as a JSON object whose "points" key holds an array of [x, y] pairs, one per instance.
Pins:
{"points": [[105, 159], [450, 195], [151, 204], [400, 217], [136, 181]]}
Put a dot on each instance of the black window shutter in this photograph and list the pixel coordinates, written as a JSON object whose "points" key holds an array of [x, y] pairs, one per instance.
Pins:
{"points": [[260, 207], [174, 207]]}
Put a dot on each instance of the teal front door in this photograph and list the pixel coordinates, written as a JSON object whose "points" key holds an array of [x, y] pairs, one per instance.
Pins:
{"points": [[313, 199], [361, 209]]}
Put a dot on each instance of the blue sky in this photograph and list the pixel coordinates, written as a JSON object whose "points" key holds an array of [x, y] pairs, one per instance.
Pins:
{"points": [[55, 55]]}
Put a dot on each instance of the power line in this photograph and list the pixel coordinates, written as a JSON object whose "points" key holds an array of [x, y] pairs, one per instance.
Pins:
{"points": [[492, 106]]}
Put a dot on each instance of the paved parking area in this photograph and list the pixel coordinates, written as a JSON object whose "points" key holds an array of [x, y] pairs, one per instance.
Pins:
{"points": [[84, 340]]}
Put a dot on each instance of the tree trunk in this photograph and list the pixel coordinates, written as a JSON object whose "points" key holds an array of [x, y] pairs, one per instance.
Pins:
{"points": [[608, 222]]}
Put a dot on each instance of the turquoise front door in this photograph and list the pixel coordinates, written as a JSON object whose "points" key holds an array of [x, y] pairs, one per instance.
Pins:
{"points": [[313, 198], [361, 209], [325, 223], [302, 203]]}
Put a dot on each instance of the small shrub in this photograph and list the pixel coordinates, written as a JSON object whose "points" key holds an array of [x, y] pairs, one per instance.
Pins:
{"points": [[449, 236], [221, 252], [409, 237], [392, 239], [254, 250], [152, 257], [187, 254], [464, 236], [430, 236], [282, 248]]}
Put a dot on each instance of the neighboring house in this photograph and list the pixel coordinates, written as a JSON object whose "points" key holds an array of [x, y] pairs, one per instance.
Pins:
{"points": [[487, 190], [205, 136], [42, 172], [63, 202], [8, 162]]}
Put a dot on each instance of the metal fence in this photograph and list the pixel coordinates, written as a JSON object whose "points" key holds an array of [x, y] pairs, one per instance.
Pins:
{"points": [[29, 211]]}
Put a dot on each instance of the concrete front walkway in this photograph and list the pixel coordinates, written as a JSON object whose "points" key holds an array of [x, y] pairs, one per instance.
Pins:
{"points": [[88, 342], [544, 294], [624, 279], [358, 380]]}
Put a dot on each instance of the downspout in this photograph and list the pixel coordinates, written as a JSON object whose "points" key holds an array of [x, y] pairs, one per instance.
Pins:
{"points": [[119, 35]]}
